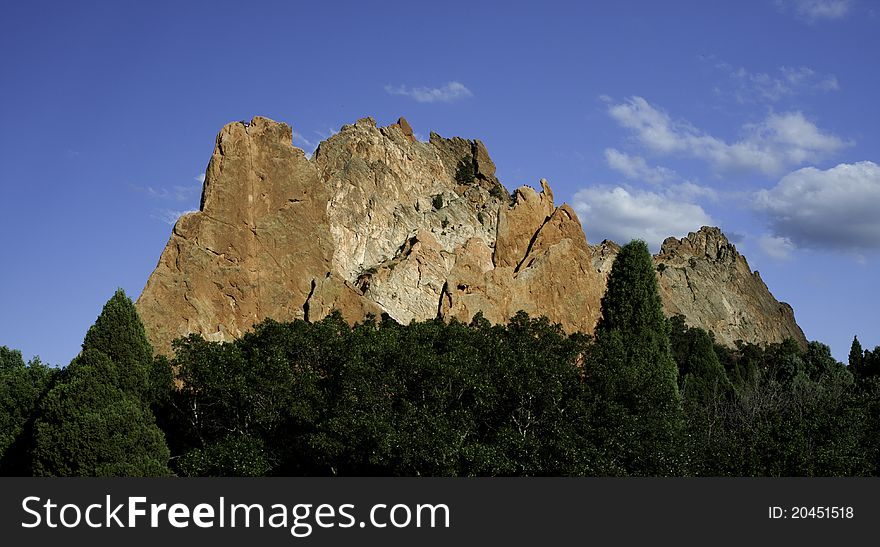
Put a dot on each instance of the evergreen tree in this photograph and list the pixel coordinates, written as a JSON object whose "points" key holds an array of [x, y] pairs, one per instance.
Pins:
{"points": [[120, 335], [96, 420], [702, 378], [871, 363], [856, 356], [638, 406], [88, 426]]}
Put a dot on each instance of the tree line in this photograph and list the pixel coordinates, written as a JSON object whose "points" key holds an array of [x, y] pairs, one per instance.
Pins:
{"points": [[646, 395]]}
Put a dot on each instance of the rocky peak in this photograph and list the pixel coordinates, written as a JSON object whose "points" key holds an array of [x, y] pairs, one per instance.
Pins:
{"points": [[405, 128], [707, 243], [379, 222], [704, 278], [603, 256]]}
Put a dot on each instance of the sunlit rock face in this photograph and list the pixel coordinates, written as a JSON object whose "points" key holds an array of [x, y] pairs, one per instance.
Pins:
{"points": [[378, 222]]}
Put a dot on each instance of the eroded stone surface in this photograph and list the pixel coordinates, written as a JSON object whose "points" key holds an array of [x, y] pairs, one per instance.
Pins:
{"points": [[704, 278], [378, 222]]}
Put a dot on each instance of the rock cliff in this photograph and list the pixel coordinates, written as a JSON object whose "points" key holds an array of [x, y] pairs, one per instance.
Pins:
{"points": [[379, 222]]}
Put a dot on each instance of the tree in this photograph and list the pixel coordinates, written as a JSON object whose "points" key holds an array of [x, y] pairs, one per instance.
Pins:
{"points": [[88, 426], [633, 375], [864, 364], [96, 420], [232, 456], [702, 378], [535, 422], [246, 407], [464, 171], [21, 388], [119, 333], [856, 355]]}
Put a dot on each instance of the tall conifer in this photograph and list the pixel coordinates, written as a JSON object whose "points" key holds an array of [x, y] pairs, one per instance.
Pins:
{"points": [[636, 378], [119, 333]]}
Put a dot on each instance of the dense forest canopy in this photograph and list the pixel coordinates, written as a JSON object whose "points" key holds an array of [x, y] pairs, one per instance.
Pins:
{"points": [[647, 395]]}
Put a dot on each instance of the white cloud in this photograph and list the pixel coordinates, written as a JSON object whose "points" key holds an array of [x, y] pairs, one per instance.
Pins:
{"points": [[835, 208], [807, 77], [778, 142], [622, 215], [324, 135], [451, 91], [170, 216], [174, 193], [779, 248], [654, 128], [814, 10], [636, 168], [298, 138], [200, 178], [690, 191], [750, 87]]}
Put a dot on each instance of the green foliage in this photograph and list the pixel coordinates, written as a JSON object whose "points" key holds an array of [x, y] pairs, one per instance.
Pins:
{"points": [[88, 426], [796, 414], [648, 396], [864, 364], [262, 386], [96, 420], [856, 354], [119, 334], [465, 171], [437, 201], [632, 302], [233, 456], [21, 387], [431, 398], [702, 378], [498, 191], [637, 402]]}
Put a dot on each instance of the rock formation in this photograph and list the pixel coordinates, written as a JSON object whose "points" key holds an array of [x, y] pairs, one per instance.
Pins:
{"points": [[704, 278], [379, 222]]}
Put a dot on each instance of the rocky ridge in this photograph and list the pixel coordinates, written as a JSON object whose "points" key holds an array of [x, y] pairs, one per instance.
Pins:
{"points": [[379, 222]]}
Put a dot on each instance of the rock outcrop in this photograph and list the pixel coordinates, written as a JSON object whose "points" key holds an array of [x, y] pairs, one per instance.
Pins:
{"points": [[379, 222], [704, 278]]}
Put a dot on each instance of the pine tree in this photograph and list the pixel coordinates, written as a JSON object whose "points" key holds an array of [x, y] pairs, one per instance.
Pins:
{"points": [[638, 406]]}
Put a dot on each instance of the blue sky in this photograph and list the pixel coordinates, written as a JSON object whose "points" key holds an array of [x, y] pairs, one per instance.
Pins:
{"points": [[651, 118]]}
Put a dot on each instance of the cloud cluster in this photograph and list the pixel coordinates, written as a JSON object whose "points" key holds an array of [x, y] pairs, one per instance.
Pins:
{"points": [[778, 142], [622, 215], [779, 248], [751, 87], [836, 208], [451, 91], [299, 138], [636, 168], [815, 10]]}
